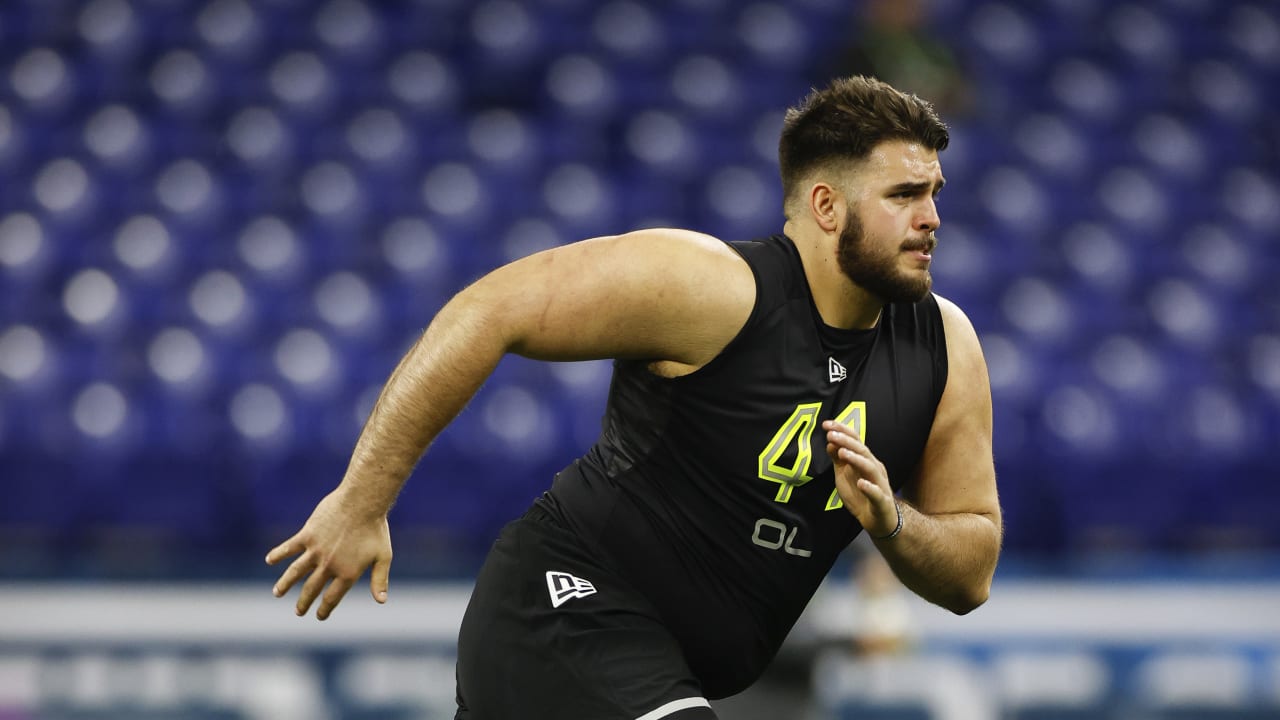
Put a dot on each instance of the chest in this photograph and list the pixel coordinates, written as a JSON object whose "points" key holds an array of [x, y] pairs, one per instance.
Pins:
{"points": [[759, 420]]}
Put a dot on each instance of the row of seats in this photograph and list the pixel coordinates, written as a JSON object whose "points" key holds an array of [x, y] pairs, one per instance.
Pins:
{"points": [[224, 221]]}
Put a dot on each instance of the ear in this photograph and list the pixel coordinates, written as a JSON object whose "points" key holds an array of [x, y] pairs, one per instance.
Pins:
{"points": [[827, 206]]}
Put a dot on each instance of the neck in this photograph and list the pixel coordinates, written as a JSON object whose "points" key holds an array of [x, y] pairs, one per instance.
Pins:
{"points": [[841, 302]]}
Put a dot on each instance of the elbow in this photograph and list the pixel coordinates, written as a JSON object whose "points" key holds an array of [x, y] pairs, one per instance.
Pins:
{"points": [[968, 599], [974, 592], [968, 603]]}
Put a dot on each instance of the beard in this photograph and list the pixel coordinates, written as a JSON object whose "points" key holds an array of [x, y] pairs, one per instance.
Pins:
{"points": [[878, 272]]}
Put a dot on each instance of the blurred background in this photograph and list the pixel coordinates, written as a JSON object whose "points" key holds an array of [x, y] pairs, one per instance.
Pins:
{"points": [[223, 221]]}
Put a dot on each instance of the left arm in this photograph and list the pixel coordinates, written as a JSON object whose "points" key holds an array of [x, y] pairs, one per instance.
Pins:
{"points": [[947, 548]]}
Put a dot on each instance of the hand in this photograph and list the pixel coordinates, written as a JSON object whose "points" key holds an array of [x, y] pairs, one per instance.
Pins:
{"points": [[861, 480], [334, 545]]}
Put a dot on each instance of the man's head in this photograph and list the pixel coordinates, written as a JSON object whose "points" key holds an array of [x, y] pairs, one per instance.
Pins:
{"points": [[836, 128], [860, 159]]}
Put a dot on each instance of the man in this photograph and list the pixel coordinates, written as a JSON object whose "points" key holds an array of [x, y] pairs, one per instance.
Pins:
{"points": [[666, 565]]}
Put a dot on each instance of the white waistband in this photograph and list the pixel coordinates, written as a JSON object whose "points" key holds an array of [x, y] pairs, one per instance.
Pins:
{"points": [[675, 706]]}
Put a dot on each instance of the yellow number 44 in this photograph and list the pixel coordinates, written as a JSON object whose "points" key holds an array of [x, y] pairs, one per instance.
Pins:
{"points": [[798, 431]]}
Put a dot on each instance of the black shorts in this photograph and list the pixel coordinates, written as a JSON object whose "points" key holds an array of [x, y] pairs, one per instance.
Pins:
{"points": [[550, 634]]}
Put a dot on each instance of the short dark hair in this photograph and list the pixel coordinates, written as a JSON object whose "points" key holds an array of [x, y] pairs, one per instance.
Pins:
{"points": [[846, 120]]}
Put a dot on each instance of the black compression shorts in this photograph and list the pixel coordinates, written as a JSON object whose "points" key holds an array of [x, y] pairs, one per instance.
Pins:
{"points": [[550, 634]]}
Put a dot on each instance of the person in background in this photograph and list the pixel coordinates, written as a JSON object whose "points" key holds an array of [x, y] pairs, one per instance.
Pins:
{"points": [[883, 623], [891, 40]]}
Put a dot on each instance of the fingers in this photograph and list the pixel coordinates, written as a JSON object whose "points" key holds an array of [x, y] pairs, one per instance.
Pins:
{"points": [[331, 556], [830, 425], [333, 596], [296, 570], [872, 491], [870, 498], [870, 475], [843, 445], [311, 590], [292, 546], [850, 456], [863, 464], [865, 477], [843, 436], [320, 575], [380, 579]]}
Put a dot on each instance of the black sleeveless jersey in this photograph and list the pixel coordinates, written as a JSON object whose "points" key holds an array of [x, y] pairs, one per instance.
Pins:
{"points": [[713, 494]]}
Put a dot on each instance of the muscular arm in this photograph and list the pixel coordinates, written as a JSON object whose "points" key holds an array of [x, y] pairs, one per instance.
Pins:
{"points": [[662, 294], [951, 525], [672, 296]]}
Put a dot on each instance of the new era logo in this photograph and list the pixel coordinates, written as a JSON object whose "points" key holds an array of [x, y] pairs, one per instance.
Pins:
{"points": [[564, 587], [835, 370]]}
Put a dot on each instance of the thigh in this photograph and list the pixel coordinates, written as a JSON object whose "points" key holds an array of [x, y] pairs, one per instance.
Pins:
{"points": [[551, 633]]}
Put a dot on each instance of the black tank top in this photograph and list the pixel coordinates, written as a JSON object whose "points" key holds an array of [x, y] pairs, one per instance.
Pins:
{"points": [[712, 493]]}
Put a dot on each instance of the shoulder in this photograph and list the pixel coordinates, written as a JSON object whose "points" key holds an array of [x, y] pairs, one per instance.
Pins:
{"points": [[675, 240], [699, 284], [671, 252], [957, 326], [696, 283], [657, 259], [967, 367], [707, 267], [668, 294]]}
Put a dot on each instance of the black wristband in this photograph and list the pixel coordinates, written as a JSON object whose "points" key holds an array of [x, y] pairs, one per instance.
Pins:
{"points": [[896, 530]]}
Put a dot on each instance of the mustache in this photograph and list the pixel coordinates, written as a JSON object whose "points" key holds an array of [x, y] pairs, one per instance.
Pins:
{"points": [[925, 244]]}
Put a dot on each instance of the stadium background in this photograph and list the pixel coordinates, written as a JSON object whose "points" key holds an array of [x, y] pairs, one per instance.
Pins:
{"points": [[222, 221]]}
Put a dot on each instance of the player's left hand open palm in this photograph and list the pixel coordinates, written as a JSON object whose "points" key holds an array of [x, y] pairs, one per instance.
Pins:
{"points": [[334, 548], [861, 480]]}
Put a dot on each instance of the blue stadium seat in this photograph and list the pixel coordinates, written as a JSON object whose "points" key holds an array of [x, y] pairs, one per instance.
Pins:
{"points": [[189, 184]]}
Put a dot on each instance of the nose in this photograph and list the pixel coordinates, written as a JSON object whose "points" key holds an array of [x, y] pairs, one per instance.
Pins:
{"points": [[927, 219]]}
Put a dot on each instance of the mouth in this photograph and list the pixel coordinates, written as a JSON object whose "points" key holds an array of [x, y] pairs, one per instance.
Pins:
{"points": [[921, 249], [923, 254]]}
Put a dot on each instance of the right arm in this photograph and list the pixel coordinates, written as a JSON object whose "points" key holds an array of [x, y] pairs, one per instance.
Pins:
{"points": [[650, 294], [665, 295]]}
